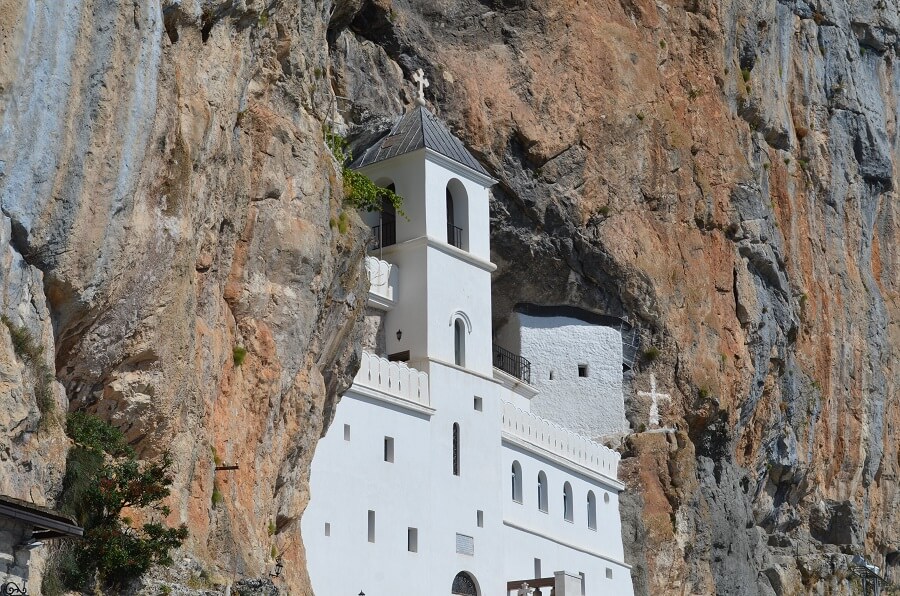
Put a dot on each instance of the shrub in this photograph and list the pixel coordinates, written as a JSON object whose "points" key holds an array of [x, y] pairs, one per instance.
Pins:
{"points": [[745, 74], [651, 353], [217, 497], [703, 392], [103, 477], [31, 353], [640, 116], [271, 529], [359, 190], [604, 210], [238, 353]]}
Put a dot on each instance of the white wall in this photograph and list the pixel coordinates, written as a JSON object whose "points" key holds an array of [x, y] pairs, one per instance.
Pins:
{"points": [[593, 406]]}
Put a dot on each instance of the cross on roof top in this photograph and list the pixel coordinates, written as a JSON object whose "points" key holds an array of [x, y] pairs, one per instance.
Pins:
{"points": [[419, 77]]}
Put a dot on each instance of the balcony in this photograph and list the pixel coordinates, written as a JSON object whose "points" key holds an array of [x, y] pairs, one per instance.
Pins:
{"points": [[383, 281], [536, 432], [512, 364], [384, 235], [392, 379], [454, 236]]}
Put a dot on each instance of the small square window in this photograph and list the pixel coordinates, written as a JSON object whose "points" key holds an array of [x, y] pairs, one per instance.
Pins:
{"points": [[389, 449], [479, 404], [479, 518], [582, 370], [346, 432], [608, 573], [327, 529], [412, 540]]}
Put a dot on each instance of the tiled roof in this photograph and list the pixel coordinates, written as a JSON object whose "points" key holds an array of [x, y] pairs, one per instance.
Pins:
{"points": [[417, 129]]}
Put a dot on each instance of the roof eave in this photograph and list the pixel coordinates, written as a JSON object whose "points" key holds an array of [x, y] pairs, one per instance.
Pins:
{"points": [[460, 168]]}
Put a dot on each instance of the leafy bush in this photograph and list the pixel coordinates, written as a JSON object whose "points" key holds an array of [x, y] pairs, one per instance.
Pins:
{"points": [[238, 353], [359, 190], [31, 353], [103, 477], [651, 353]]}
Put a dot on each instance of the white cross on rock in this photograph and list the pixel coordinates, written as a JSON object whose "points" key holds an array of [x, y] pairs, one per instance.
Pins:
{"points": [[419, 77], [653, 418]]}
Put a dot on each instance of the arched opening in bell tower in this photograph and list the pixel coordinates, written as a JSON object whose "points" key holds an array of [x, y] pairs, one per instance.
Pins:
{"points": [[457, 205]]}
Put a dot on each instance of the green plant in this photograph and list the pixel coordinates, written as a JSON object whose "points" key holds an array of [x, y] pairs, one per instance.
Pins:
{"points": [[359, 190], [217, 497], [263, 19], [274, 552], [103, 477], [271, 529], [31, 353], [238, 353], [787, 161], [745, 74], [803, 163], [651, 353], [694, 93], [803, 299], [640, 116], [642, 427], [216, 459], [662, 44], [318, 72], [604, 210], [703, 392], [766, 165], [165, 590]]}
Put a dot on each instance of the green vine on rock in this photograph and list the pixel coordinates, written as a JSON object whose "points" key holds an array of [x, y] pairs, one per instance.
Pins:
{"points": [[359, 190]]}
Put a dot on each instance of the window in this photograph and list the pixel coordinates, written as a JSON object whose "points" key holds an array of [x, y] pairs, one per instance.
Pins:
{"points": [[459, 342], [386, 232], [479, 518], [606, 497], [456, 449], [465, 545], [582, 370], [327, 529], [371, 524], [346, 432], [517, 482], [479, 404], [583, 582], [542, 491], [592, 510], [567, 502], [457, 215], [412, 540], [389, 449], [551, 375], [464, 585], [608, 573], [537, 568]]}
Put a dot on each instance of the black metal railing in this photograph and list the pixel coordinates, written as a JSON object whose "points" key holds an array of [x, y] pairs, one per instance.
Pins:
{"points": [[513, 364], [454, 235], [384, 235]]}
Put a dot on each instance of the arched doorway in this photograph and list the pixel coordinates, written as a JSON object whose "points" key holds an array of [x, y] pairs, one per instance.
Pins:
{"points": [[464, 585]]}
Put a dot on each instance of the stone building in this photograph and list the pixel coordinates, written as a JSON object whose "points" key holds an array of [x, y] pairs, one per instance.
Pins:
{"points": [[436, 477], [24, 527]]}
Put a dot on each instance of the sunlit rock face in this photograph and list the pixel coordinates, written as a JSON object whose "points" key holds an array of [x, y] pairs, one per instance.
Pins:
{"points": [[719, 173]]}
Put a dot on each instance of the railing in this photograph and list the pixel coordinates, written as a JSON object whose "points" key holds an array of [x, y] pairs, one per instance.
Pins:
{"points": [[513, 364], [384, 235], [559, 441], [383, 278], [394, 378], [454, 235]]}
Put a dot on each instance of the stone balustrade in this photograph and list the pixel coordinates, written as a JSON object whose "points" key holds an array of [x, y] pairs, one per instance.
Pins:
{"points": [[559, 441], [393, 378], [383, 280]]}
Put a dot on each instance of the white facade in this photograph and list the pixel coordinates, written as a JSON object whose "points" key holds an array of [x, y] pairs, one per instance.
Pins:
{"points": [[576, 366], [413, 483]]}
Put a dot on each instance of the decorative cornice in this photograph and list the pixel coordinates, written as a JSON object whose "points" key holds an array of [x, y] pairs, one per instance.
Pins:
{"points": [[559, 460]]}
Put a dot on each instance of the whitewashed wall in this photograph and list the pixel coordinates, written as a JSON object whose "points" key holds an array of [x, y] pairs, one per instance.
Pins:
{"points": [[593, 406]]}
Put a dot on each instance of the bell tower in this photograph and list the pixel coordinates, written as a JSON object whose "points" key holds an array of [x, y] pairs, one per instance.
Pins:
{"points": [[440, 244]]}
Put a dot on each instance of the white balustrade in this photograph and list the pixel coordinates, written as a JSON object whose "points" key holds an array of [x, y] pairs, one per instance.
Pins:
{"points": [[559, 441], [393, 378], [383, 280]]}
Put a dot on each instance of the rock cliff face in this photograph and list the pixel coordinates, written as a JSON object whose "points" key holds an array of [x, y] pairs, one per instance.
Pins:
{"points": [[721, 173]]}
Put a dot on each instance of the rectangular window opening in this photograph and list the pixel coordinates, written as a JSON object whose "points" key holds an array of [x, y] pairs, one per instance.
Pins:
{"points": [[327, 529], [371, 526], [479, 404], [479, 518], [608, 573], [582, 370], [551, 375], [412, 540], [465, 545], [389, 449], [583, 582], [537, 568], [346, 432]]}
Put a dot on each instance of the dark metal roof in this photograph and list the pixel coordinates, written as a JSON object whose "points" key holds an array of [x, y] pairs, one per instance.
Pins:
{"points": [[417, 129], [51, 524]]}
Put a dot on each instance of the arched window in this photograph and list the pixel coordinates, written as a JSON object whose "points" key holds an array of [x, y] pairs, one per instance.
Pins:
{"points": [[542, 491], [386, 231], [516, 482], [457, 215], [464, 585], [592, 510], [459, 342], [567, 502], [456, 449]]}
